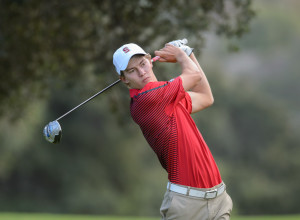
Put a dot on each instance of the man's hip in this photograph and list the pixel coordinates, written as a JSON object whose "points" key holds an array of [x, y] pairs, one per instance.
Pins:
{"points": [[182, 202]]}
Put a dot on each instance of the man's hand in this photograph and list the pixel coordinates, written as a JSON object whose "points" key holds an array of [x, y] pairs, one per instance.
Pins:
{"points": [[182, 45], [169, 53]]}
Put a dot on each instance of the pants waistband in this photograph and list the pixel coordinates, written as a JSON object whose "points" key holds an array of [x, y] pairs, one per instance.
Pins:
{"points": [[195, 192]]}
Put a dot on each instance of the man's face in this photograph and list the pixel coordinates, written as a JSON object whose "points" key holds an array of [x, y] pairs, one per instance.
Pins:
{"points": [[138, 72]]}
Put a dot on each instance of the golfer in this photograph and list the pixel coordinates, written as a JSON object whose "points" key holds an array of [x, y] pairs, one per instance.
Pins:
{"points": [[163, 109]]}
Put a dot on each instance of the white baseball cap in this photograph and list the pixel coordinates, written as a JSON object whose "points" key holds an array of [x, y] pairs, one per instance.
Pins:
{"points": [[123, 54]]}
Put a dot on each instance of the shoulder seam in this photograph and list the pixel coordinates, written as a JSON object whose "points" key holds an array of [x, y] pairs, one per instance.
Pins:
{"points": [[136, 96]]}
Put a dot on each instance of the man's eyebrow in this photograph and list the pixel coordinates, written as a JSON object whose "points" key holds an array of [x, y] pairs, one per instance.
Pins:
{"points": [[142, 60], [134, 66]]}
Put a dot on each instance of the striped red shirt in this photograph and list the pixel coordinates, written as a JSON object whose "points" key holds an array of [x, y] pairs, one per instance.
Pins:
{"points": [[162, 110]]}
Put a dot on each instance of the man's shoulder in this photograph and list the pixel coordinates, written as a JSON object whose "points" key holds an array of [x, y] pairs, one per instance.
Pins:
{"points": [[158, 84], [148, 87], [152, 87]]}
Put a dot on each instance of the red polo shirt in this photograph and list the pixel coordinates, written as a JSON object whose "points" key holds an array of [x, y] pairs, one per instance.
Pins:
{"points": [[162, 110]]}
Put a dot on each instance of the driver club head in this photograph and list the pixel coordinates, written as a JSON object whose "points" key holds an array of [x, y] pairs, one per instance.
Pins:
{"points": [[52, 132]]}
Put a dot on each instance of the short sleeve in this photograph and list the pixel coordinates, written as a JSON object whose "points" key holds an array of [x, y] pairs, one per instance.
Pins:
{"points": [[177, 95]]}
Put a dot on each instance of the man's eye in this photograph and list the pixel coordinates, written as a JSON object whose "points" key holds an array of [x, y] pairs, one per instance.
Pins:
{"points": [[131, 71]]}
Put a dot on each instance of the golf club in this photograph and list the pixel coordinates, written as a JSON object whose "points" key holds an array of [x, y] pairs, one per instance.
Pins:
{"points": [[53, 132]]}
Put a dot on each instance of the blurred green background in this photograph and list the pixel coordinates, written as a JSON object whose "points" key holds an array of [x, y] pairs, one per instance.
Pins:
{"points": [[56, 54]]}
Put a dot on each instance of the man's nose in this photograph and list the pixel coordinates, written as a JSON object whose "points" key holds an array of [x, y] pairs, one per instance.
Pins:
{"points": [[141, 71]]}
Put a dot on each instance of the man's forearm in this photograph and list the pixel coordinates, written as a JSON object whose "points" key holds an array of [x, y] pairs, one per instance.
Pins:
{"points": [[202, 86], [188, 66], [191, 74]]}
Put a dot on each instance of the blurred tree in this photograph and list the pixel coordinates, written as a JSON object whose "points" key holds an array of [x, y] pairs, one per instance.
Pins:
{"points": [[98, 168], [101, 167], [45, 42], [254, 145]]}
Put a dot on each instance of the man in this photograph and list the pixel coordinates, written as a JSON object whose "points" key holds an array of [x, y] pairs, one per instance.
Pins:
{"points": [[162, 110]]}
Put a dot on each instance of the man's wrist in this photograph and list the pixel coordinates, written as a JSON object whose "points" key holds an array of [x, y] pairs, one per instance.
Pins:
{"points": [[188, 50], [181, 57]]}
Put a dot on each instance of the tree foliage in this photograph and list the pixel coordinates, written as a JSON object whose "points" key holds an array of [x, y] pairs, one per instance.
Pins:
{"points": [[45, 42]]}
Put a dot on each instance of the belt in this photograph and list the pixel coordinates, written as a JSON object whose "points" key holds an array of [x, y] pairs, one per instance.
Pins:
{"points": [[188, 191]]}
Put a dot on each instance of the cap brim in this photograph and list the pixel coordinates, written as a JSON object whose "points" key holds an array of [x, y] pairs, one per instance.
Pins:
{"points": [[125, 64]]}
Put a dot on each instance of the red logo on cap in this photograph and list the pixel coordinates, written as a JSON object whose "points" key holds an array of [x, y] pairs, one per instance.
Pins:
{"points": [[126, 49]]}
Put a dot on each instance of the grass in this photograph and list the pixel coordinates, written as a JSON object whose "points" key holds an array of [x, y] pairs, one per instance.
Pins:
{"points": [[25, 216], [275, 217], [22, 216]]}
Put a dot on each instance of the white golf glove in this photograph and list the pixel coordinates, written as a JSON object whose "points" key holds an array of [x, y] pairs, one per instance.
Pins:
{"points": [[182, 45]]}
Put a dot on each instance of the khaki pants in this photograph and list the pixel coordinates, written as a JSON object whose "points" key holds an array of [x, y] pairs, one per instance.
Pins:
{"points": [[182, 207]]}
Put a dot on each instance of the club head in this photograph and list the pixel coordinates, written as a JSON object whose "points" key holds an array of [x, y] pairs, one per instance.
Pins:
{"points": [[53, 132]]}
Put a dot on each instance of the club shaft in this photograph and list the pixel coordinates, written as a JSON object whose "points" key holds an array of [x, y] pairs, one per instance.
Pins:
{"points": [[98, 93], [89, 99]]}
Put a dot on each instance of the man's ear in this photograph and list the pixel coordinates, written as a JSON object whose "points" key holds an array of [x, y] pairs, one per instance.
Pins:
{"points": [[125, 81]]}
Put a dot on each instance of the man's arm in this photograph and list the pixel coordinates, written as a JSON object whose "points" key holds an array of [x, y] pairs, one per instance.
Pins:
{"points": [[193, 77], [190, 74], [201, 93]]}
